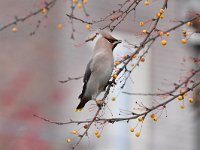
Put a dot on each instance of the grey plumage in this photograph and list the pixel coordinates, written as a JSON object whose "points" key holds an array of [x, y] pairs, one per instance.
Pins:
{"points": [[99, 69]]}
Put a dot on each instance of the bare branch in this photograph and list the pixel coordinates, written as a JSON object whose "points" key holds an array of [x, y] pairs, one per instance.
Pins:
{"points": [[70, 79]]}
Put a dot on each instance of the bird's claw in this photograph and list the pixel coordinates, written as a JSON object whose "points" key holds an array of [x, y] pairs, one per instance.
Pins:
{"points": [[112, 83]]}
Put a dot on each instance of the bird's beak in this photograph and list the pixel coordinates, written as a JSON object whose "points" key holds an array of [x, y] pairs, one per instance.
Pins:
{"points": [[116, 43]]}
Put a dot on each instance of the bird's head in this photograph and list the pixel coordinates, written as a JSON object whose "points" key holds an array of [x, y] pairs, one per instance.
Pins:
{"points": [[110, 38]]}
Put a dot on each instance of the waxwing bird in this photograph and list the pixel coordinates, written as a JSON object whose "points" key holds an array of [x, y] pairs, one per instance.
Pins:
{"points": [[99, 69]]}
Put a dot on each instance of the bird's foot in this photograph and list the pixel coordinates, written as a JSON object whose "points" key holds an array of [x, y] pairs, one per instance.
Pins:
{"points": [[111, 83]]}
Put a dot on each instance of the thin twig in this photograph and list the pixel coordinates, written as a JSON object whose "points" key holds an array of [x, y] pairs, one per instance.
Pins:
{"points": [[70, 79]]}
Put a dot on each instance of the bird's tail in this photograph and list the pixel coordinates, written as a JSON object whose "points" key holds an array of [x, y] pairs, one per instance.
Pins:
{"points": [[81, 104]]}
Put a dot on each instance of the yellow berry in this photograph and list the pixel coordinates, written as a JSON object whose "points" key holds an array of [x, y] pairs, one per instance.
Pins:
{"points": [[68, 140], [160, 33], [88, 26], [132, 129], [182, 106], [153, 115], [75, 1], [144, 31], [137, 134], [74, 132], [167, 34], [161, 11], [96, 132], [134, 56], [140, 119], [164, 42], [60, 26], [189, 23], [117, 62], [113, 98], [115, 76], [85, 1], [180, 97], [79, 5], [98, 135], [184, 41], [155, 118], [141, 24], [142, 59], [147, 2], [191, 100], [44, 10], [14, 29], [162, 16], [124, 56], [158, 14]]}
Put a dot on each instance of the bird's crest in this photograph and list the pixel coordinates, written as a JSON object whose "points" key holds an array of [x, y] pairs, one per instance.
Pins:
{"points": [[107, 36]]}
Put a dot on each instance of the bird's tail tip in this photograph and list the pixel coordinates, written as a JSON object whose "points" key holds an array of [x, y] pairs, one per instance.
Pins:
{"points": [[78, 109]]}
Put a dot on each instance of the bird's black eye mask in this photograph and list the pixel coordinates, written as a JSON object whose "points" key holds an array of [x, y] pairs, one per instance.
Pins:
{"points": [[111, 40]]}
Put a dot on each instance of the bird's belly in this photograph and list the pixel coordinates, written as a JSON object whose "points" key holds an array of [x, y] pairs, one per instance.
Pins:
{"points": [[104, 75]]}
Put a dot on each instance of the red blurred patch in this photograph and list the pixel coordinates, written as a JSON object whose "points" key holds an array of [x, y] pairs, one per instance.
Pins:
{"points": [[26, 112], [15, 88], [57, 95]]}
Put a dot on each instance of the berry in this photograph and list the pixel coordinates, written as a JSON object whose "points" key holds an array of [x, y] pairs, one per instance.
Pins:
{"points": [[60, 26], [113, 98], [182, 106], [160, 33], [153, 115], [141, 24], [75, 1], [96, 132], [134, 56], [98, 135], [144, 31], [117, 62], [74, 132], [161, 11], [131, 129], [137, 134], [85, 1], [124, 56], [68, 140], [44, 10], [88, 26], [14, 29], [142, 59], [155, 118], [189, 23], [147, 2], [164, 42], [140, 119], [158, 15], [167, 34], [191, 100], [79, 5], [162, 16], [184, 41], [180, 97], [114, 76]]}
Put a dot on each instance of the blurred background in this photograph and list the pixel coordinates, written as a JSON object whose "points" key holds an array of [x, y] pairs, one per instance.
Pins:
{"points": [[31, 66]]}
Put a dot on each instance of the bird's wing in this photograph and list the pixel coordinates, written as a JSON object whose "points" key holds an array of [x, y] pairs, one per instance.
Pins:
{"points": [[86, 78]]}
